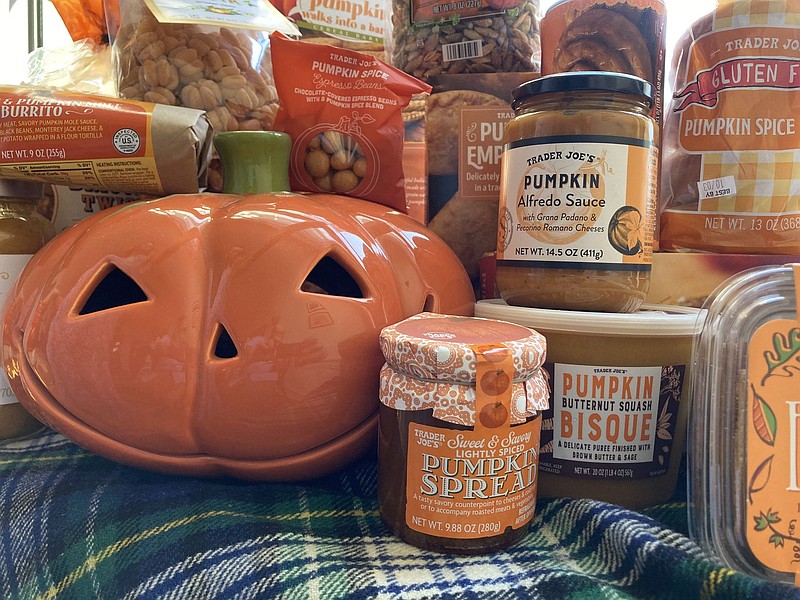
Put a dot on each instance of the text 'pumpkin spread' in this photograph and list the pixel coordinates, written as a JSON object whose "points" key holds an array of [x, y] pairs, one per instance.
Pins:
{"points": [[577, 195]]}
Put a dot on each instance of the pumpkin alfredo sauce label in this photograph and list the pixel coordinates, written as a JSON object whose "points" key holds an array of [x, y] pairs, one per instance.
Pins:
{"points": [[589, 203], [477, 482], [773, 444]]}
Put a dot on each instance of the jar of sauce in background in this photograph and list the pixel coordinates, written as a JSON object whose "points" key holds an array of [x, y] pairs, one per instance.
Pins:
{"points": [[23, 231], [578, 193]]}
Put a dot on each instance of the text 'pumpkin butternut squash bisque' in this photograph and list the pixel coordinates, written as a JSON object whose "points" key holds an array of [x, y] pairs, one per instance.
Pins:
{"points": [[222, 334]]}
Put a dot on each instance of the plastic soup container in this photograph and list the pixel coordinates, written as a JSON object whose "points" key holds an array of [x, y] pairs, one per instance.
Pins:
{"points": [[460, 415], [615, 429]]}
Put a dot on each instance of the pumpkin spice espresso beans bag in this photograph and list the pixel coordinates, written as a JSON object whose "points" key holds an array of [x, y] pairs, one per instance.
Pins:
{"points": [[731, 171], [342, 109]]}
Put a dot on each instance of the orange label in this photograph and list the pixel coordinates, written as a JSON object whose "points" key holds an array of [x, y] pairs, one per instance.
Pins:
{"points": [[732, 229], [480, 151], [359, 20], [773, 444], [475, 483], [743, 91], [587, 203], [75, 139], [415, 180]]}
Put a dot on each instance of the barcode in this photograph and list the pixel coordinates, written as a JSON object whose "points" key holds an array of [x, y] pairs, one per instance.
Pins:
{"points": [[462, 50]]}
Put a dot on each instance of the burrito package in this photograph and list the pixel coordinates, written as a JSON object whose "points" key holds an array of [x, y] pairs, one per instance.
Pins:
{"points": [[92, 141]]}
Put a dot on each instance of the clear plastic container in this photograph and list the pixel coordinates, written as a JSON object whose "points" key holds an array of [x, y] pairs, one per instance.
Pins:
{"points": [[744, 456]]}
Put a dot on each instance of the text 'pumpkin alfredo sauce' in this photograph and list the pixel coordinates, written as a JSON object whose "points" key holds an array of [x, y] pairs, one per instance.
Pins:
{"points": [[461, 400], [578, 193]]}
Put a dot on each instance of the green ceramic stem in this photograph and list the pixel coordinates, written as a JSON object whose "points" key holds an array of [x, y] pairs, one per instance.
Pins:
{"points": [[254, 162]]}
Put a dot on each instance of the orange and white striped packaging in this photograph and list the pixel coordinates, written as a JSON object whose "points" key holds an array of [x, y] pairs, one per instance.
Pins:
{"points": [[731, 170]]}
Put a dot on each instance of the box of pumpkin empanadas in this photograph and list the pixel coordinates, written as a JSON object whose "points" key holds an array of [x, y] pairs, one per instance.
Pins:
{"points": [[465, 119], [623, 36]]}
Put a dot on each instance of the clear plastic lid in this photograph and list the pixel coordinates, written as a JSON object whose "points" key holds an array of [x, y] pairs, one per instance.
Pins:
{"points": [[651, 320], [744, 463]]}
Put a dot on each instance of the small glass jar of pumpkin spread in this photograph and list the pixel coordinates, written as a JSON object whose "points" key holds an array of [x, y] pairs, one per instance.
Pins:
{"points": [[23, 231], [578, 193], [460, 417]]}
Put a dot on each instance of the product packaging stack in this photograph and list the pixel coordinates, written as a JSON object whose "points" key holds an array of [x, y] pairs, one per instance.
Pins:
{"points": [[254, 250]]}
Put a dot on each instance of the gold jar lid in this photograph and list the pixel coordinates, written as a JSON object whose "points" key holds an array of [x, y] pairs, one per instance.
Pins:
{"points": [[431, 363]]}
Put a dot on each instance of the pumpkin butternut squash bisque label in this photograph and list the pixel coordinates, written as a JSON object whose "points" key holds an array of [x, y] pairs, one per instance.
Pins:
{"points": [[611, 422]]}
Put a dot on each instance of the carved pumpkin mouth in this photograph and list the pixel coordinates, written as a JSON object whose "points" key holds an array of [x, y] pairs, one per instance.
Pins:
{"points": [[47, 408]]}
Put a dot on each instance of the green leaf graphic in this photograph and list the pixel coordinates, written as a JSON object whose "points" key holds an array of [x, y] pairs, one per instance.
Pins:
{"points": [[776, 539], [764, 421], [761, 522], [786, 348]]}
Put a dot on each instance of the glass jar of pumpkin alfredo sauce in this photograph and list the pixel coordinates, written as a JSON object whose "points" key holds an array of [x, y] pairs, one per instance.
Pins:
{"points": [[578, 193], [23, 231], [459, 426]]}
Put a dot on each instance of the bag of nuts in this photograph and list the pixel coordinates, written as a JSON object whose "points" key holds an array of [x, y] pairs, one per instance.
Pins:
{"points": [[343, 111], [429, 38], [224, 70]]}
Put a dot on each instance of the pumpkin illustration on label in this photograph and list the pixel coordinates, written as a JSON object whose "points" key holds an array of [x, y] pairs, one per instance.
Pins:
{"points": [[493, 415], [624, 231], [495, 382]]}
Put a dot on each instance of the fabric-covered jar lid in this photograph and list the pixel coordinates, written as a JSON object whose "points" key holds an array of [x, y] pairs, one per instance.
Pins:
{"points": [[431, 363], [442, 348]]}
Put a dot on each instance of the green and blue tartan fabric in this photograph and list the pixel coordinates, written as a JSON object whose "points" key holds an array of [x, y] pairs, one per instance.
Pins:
{"points": [[75, 525]]}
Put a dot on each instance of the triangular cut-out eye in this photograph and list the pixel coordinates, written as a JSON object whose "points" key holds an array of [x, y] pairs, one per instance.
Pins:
{"points": [[224, 348], [430, 304], [331, 278], [115, 289]]}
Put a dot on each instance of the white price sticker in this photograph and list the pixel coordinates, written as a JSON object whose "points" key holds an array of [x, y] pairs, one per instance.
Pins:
{"points": [[715, 188]]}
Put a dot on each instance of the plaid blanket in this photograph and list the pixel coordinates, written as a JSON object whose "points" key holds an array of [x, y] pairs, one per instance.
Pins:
{"points": [[75, 525]]}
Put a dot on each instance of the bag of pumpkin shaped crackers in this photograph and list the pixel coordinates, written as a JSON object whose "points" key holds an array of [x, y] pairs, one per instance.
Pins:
{"points": [[731, 144], [343, 111]]}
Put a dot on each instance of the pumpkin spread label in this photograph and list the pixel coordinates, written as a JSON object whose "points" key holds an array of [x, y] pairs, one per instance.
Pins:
{"points": [[475, 483], [773, 444], [581, 204]]}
